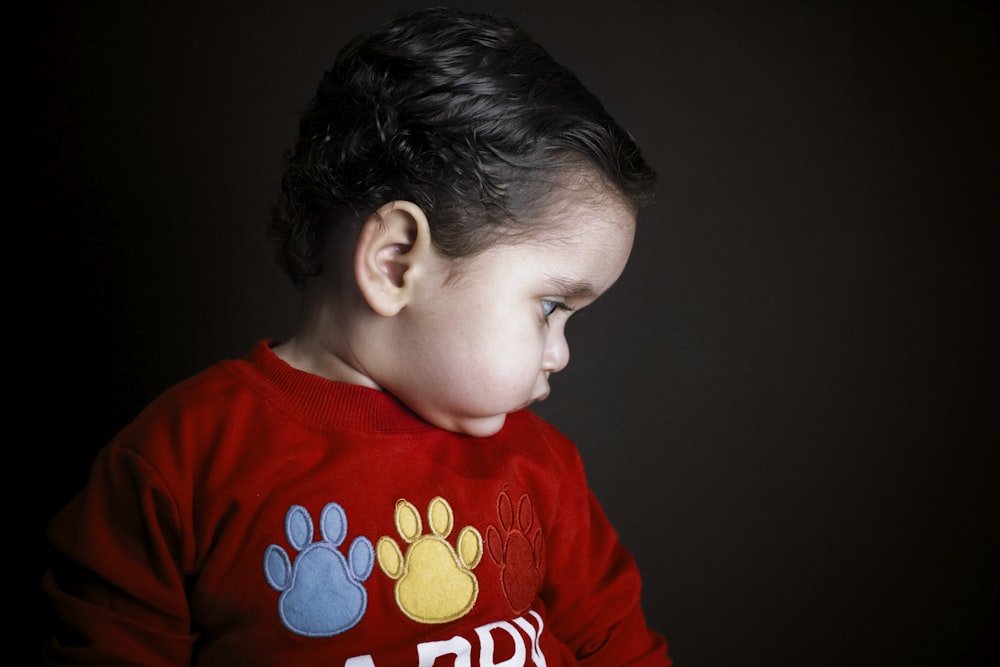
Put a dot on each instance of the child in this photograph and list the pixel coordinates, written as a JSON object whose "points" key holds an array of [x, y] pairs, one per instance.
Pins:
{"points": [[373, 491]]}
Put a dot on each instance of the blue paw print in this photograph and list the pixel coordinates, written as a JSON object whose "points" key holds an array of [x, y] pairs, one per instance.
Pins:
{"points": [[321, 593]]}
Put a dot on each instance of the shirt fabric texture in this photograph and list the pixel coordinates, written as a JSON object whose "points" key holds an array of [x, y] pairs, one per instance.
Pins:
{"points": [[256, 514]]}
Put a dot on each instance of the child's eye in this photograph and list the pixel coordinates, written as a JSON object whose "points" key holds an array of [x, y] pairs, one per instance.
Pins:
{"points": [[550, 306]]}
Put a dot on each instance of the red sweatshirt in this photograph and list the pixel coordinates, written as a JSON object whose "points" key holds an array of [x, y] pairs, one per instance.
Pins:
{"points": [[259, 515]]}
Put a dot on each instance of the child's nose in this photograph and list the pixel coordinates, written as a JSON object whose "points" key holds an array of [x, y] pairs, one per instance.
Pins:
{"points": [[556, 352]]}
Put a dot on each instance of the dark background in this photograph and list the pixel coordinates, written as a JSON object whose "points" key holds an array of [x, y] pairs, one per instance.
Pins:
{"points": [[788, 403]]}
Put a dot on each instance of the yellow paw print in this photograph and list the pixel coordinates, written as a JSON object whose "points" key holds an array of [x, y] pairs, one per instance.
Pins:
{"points": [[434, 582]]}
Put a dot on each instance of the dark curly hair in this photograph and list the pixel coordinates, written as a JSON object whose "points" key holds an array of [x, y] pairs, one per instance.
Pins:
{"points": [[460, 113]]}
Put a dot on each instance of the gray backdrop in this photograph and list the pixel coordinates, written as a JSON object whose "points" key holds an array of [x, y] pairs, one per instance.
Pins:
{"points": [[787, 405]]}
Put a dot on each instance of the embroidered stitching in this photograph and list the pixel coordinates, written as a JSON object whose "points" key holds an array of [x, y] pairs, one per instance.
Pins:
{"points": [[519, 557], [321, 592], [434, 581]]}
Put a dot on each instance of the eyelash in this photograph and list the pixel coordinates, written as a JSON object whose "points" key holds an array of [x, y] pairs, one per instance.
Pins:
{"points": [[550, 306]]}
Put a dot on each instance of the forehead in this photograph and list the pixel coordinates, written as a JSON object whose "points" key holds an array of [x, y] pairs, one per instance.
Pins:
{"points": [[578, 243], [576, 211], [582, 215]]}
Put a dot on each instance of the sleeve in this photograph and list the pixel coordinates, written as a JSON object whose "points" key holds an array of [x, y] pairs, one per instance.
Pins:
{"points": [[592, 589], [115, 579]]}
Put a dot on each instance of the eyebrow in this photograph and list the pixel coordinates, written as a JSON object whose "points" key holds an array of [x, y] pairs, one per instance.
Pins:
{"points": [[574, 288]]}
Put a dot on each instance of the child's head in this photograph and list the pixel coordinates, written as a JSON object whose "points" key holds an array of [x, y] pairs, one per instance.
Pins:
{"points": [[462, 114], [478, 193]]}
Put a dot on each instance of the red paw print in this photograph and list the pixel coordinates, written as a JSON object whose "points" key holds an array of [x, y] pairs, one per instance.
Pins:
{"points": [[518, 555]]}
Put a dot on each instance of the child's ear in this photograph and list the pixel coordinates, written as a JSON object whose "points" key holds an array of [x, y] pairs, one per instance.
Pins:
{"points": [[393, 251]]}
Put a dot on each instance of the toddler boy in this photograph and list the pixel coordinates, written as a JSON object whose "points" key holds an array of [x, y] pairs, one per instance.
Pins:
{"points": [[373, 491]]}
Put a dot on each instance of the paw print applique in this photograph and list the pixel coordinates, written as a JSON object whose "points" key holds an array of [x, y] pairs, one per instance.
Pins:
{"points": [[321, 592], [434, 581], [518, 555]]}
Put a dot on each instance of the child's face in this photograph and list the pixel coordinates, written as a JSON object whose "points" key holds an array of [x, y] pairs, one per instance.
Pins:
{"points": [[483, 344]]}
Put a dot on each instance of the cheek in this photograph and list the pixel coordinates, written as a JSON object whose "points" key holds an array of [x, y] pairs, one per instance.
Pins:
{"points": [[513, 358], [478, 352], [497, 361]]}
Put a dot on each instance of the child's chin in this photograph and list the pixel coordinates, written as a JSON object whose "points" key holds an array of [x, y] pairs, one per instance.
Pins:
{"points": [[477, 427]]}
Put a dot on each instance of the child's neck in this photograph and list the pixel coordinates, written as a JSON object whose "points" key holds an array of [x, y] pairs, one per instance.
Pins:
{"points": [[309, 354]]}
